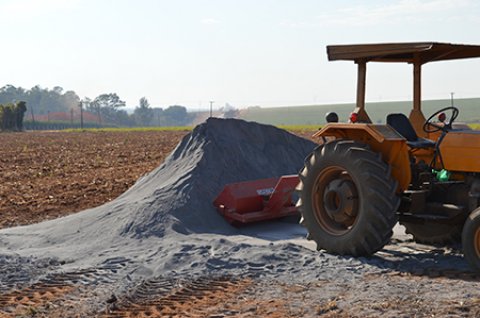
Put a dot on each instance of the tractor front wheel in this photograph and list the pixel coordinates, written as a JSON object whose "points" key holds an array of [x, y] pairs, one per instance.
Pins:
{"points": [[348, 198], [471, 239]]}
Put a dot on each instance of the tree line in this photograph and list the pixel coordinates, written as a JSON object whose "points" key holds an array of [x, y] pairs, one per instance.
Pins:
{"points": [[108, 107], [175, 115], [11, 116], [40, 101]]}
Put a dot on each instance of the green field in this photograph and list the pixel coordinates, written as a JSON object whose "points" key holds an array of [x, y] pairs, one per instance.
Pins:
{"points": [[315, 114]]}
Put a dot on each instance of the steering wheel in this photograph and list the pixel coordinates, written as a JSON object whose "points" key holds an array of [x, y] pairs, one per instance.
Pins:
{"points": [[429, 123]]}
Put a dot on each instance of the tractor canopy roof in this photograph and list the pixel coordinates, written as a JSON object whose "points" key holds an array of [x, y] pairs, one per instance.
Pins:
{"points": [[415, 53], [423, 52]]}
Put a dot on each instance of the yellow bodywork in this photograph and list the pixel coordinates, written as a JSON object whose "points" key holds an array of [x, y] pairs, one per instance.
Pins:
{"points": [[381, 139], [460, 151]]}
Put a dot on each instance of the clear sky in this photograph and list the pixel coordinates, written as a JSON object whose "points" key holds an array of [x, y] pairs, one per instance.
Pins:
{"points": [[244, 52]]}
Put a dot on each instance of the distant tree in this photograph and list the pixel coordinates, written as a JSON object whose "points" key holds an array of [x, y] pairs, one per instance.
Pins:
{"points": [[107, 106], [143, 113], [10, 93], [11, 118], [58, 90], [19, 112], [8, 118], [70, 99], [176, 116], [124, 119], [158, 118], [144, 102], [34, 100], [109, 101]]}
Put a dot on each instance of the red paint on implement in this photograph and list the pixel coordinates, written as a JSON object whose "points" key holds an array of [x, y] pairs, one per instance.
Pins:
{"points": [[259, 200]]}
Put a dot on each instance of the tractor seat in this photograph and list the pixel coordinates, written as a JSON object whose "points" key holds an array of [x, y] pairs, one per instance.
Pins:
{"points": [[402, 125]]}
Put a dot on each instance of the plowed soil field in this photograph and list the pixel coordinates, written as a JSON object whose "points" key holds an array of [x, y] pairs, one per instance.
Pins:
{"points": [[44, 175]]}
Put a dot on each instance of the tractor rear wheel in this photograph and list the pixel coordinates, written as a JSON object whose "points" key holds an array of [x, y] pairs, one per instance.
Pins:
{"points": [[348, 198], [471, 239], [434, 233]]}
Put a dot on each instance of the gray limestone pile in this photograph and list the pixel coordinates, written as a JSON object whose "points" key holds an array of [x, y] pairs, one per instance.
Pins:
{"points": [[175, 198]]}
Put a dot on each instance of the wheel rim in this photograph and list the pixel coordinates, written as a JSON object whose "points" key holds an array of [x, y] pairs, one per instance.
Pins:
{"points": [[476, 241], [335, 200]]}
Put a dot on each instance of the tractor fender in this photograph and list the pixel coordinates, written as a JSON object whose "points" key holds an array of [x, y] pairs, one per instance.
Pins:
{"points": [[382, 139]]}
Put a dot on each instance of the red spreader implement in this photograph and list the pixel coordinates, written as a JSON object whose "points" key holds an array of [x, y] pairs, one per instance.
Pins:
{"points": [[259, 200]]}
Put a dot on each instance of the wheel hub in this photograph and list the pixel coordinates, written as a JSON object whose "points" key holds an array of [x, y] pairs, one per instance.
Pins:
{"points": [[340, 201]]}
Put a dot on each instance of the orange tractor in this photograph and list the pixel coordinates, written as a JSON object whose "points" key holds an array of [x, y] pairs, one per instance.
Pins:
{"points": [[424, 173]]}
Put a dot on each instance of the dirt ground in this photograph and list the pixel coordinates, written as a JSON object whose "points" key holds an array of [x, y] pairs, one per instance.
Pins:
{"points": [[45, 175]]}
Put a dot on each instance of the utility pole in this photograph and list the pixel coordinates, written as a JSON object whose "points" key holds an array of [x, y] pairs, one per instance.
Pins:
{"points": [[81, 113], [211, 107], [99, 116], [451, 98], [33, 117]]}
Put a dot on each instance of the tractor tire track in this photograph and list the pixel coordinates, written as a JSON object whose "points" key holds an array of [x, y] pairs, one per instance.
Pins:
{"points": [[56, 290], [162, 297]]}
